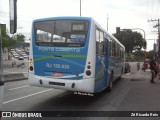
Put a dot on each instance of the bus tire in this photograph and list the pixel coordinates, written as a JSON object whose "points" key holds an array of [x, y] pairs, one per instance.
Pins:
{"points": [[109, 88], [121, 74]]}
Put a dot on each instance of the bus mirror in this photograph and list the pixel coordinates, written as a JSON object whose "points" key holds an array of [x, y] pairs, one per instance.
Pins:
{"points": [[13, 15]]}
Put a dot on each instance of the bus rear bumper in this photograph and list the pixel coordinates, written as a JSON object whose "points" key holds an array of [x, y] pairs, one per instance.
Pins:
{"points": [[84, 85]]}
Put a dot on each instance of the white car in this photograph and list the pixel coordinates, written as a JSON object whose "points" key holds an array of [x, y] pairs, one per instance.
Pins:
{"points": [[12, 50], [15, 55], [25, 56]]}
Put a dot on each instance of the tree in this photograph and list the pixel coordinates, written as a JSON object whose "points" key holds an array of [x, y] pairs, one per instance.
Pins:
{"points": [[6, 40], [131, 40], [20, 37]]}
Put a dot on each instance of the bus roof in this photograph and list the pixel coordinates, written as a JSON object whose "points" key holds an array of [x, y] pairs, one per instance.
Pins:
{"points": [[63, 18]]}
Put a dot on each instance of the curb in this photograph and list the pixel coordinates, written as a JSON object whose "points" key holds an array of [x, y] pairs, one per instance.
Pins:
{"points": [[6, 81], [14, 77]]}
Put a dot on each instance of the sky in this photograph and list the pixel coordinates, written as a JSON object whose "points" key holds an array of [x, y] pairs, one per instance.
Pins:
{"points": [[126, 14]]}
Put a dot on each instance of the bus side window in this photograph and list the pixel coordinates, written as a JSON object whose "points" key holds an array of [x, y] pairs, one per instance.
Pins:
{"points": [[66, 35], [99, 42], [106, 46], [110, 47], [102, 43]]}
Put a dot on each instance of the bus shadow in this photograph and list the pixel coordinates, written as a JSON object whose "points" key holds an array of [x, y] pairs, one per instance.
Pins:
{"points": [[68, 101]]}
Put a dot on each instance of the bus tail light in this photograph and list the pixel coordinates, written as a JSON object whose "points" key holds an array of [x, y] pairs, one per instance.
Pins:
{"points": [[89, 67], [88, 72], [31, 65]]}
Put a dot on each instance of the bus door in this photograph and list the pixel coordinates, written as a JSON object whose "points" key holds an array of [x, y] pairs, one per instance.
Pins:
{"points": [[106, 53], [100, 61]]}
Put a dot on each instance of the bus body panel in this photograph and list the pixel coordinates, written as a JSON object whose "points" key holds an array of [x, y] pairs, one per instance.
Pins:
{"points": [[70, 61], [73, 68], [54, 62], [84, 85]]}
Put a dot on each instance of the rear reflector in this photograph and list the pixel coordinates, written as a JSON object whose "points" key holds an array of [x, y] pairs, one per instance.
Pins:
{"points": [[88, 72], [89, 67]]}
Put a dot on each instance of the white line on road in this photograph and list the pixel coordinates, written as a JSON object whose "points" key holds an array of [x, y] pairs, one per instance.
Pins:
{"points": [[13, 72], [27, 96], [19, 87]]}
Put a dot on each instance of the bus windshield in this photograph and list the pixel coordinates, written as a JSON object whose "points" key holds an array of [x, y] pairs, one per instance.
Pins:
{"points": [[61, 33]]}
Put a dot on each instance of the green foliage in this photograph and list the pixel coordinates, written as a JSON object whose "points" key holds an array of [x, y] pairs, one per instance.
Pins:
{"points": [[140, 55], [5, 38], [20, 37], [151, 54], [131, 40], [10, 42]]}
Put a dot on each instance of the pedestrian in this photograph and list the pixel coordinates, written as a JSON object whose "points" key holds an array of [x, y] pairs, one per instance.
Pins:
{"points": [[154, 71], [138, 66]]}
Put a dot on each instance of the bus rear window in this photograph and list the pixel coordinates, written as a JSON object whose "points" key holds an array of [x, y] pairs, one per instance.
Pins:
{"points": [[61, 33]]}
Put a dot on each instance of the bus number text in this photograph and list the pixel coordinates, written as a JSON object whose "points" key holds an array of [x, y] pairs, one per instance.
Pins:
{"points": [[58, 66]]}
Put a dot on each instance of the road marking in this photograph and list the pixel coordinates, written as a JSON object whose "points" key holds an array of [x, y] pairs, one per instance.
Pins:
{"points": [[13, 72], [19, 87], [27, 96]]}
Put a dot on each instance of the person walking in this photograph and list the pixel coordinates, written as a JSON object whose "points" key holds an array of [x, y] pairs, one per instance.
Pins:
{"points": [[138, 66], [154, 71]]}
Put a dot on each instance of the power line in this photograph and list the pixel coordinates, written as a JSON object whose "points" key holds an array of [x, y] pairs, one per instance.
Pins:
{"points": [[152, 8], [157, 26]]}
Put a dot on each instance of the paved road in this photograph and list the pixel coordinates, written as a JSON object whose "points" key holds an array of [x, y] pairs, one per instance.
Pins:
{"points": [[133, 92]]}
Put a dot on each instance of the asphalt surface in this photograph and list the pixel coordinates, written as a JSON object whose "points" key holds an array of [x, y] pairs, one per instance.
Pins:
{"points": [[133, 92]]}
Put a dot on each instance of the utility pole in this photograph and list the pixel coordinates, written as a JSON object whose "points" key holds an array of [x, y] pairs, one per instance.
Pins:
{"points": [[1, 72], [80, 7], [157, 26], [107, 21]]}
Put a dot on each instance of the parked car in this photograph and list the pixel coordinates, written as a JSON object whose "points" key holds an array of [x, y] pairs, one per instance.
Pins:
{"points": [[15, 55], [24, 55], [12, 50], [20, 58], [127, 68]]}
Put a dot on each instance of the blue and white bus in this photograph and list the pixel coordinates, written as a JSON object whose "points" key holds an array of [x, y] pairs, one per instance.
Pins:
{"points": [[74, 53]]}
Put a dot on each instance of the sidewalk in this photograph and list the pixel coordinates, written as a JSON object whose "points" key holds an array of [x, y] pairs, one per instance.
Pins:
{"points": [[140, 75], [12, 73]]}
